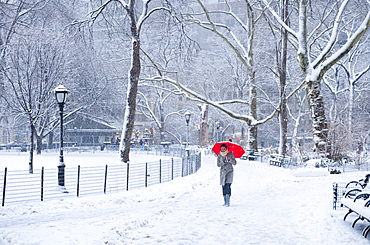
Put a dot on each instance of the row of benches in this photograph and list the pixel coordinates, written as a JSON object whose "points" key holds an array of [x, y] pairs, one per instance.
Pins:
{"points": [[280, 160], [357, 200]]}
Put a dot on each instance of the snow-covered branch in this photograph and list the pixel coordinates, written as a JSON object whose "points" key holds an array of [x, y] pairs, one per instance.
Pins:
{"points": [[212, 26], [281, 22], [219, 105], [147, 107], [365, 25], [97, 12], [146, 14], [333, 37]]}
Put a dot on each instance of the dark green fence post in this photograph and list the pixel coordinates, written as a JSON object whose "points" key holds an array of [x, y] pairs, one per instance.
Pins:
{"points": [[4, 186], [160, 171], [42, 184], [105, 178], [78, 180], [171, 168], [182, 167], [146, 174], [128, 175]]}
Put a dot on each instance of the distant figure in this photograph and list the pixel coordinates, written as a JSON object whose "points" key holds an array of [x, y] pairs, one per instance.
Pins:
{"points": [[226, 160]]}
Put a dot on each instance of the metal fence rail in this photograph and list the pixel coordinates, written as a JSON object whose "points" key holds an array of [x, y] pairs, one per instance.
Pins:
{"points": [[42, 185], [339, 189]]}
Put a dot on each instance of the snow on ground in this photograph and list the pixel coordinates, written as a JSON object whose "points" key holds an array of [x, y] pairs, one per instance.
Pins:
{"points": [[269, 205], [20, 160]]}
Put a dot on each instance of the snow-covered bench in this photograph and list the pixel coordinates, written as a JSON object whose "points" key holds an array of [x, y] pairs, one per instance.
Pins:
{"points": [[360, 205], [279, 160]]}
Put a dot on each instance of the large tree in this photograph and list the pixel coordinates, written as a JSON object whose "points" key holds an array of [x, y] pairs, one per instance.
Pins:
{"points": [[318, 49], [241, 42], [33, 71], [137, 12]]}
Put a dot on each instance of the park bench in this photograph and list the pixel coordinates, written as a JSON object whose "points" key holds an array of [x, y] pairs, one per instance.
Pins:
{"points": [[279, 160], [357, 200], [248, 155]]}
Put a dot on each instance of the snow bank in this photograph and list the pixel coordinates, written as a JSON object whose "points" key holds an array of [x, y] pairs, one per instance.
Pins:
{"points": [[310, 172], [269, 205]]}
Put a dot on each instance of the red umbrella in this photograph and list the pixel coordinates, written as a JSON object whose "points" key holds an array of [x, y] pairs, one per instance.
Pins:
{"points": [[234, 148]]}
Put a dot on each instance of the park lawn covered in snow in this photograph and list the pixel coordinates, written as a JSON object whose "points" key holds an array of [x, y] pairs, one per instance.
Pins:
{"points": [[269, 205]]}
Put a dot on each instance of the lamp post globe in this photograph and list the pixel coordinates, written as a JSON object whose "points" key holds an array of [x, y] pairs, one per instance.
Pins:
{"points": [[187, 119], [61, 96]]}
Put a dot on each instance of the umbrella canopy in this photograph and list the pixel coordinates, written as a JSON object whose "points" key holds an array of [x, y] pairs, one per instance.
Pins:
{"points": [[234, 148]]}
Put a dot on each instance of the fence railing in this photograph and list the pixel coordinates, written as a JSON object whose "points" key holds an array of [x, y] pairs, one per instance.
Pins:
{"points": [[42, 185], [339, 190]]}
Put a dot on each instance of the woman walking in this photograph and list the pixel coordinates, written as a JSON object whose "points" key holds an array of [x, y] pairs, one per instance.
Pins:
{"points": [[226, 160]]}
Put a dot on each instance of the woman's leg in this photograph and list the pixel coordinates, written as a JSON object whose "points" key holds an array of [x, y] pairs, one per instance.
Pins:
{"points": [[228, 194], [224, 189], [227, 189], [224, 194]]}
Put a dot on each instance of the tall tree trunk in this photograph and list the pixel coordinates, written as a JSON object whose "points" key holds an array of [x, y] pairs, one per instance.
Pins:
{"points": [[319, 121], [129, 117], [38, 144], [204, 126], [50, 140], [313, 87], [30, 163], [253, 129], [296, 147], [162, 123], [283, 115]]}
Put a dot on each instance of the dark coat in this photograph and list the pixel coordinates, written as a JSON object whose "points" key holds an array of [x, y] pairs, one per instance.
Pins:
{"points": [[226, 167]]}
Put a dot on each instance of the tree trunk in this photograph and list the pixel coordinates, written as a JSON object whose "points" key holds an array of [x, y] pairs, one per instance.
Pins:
{"points": [[313, 87], [30, 163], [296, 147], [204, 126], [162, 123], [129, 117], [38, 144], [128, 124], [319, 121], [253, 129], [283, 115], [283, 121], [50, 140]]}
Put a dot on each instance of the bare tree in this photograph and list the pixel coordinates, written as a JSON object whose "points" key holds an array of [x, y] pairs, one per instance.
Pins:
{"points": [[137, 16], [33, 72], [281, 50], [15, 16], [315, 63], [243, 49]]}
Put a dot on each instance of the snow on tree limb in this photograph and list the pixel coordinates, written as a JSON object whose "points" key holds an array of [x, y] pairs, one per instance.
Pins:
{"points": [[365, 25], [212, 26], [333, 37], [145, 15], [219, 105], [281, 22]]}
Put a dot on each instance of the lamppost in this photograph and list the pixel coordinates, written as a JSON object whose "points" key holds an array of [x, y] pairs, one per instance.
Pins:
{"points": [[187, 119], [61, 96], [217, 131], [219, 128]]}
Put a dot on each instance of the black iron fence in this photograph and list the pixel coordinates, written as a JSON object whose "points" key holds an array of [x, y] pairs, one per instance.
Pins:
{"points": [[42, 185], [339, 191]]}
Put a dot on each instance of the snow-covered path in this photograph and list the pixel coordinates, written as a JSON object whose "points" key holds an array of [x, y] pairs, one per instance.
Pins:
{"points": [[269, 205]]}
